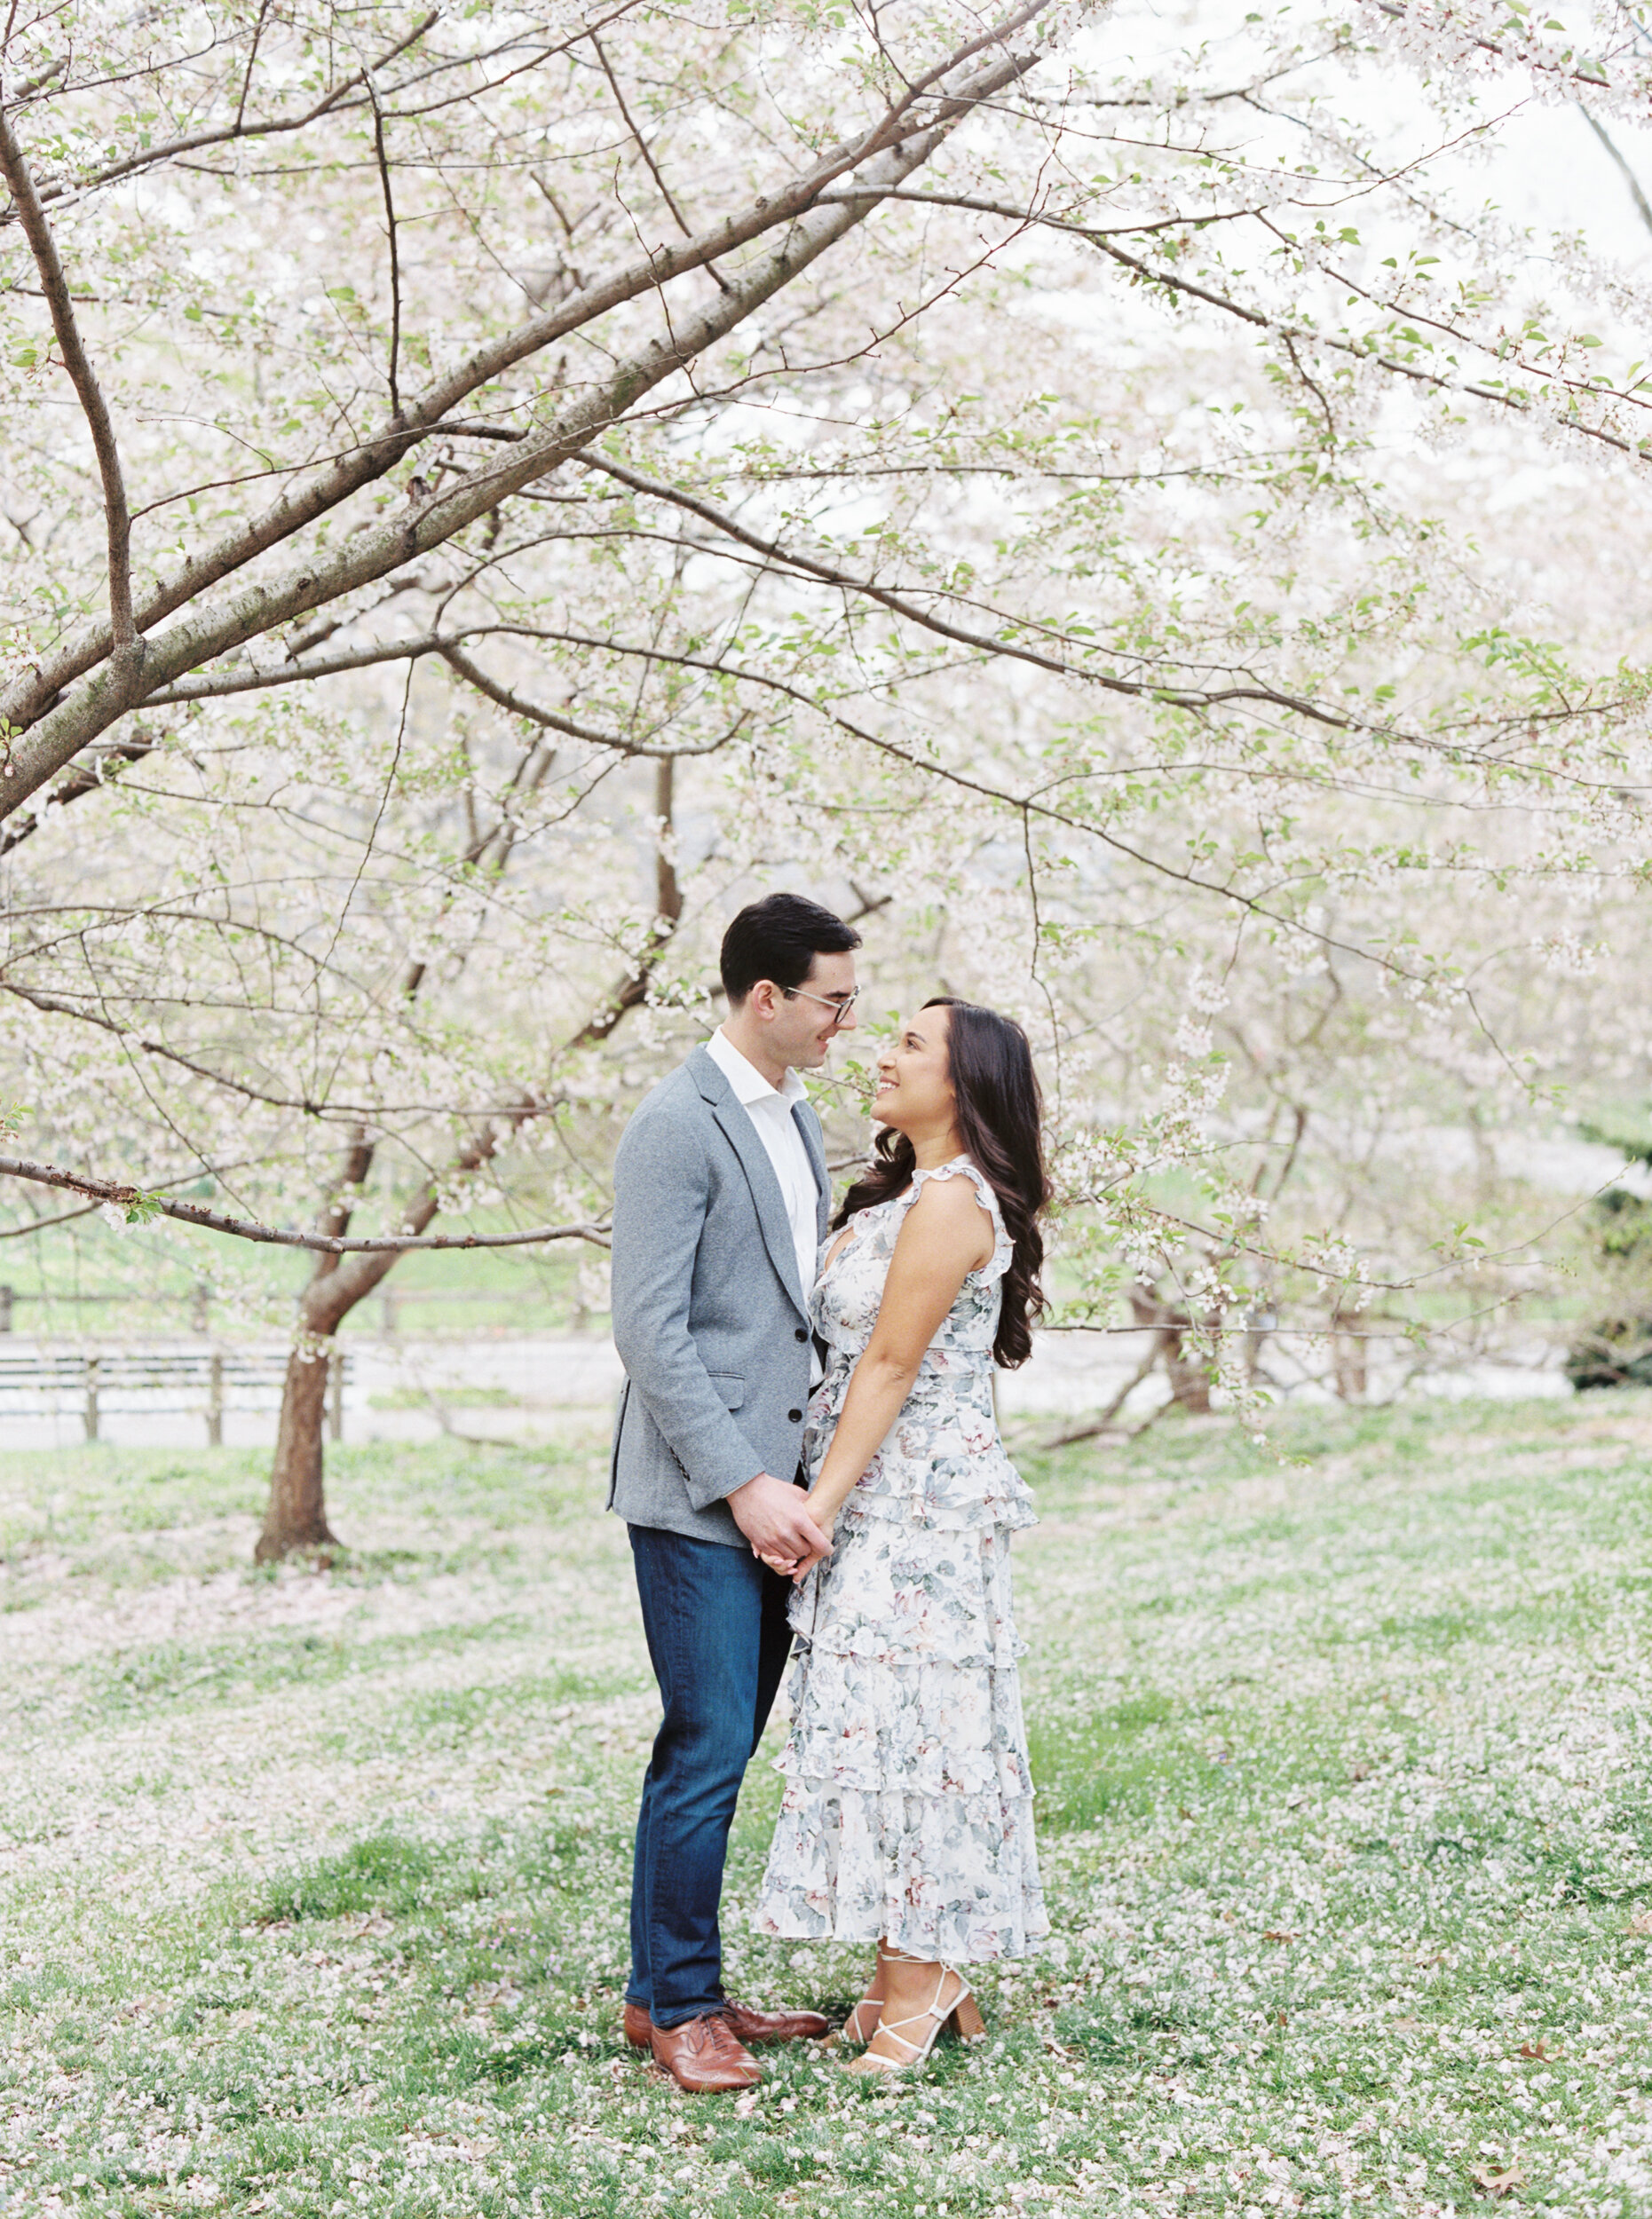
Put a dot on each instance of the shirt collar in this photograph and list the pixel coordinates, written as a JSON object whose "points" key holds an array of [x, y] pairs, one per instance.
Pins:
{"points": [[747, 1081]]}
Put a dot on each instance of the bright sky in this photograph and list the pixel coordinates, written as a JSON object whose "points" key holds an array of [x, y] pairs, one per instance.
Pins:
{"points": [[1550, 171]]}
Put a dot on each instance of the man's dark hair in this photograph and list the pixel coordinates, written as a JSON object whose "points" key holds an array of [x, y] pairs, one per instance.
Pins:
{"points": [[778, 938]]}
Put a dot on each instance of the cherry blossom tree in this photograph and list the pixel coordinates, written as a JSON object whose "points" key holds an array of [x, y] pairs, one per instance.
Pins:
{"points": [[485, 491]]}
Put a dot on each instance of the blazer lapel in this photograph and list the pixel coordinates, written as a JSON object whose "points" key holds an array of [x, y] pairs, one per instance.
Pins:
{"points": [[809, 1125], [765, 1187]]}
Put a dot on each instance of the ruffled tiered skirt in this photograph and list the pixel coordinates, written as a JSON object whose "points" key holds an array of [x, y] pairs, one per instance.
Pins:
{"points": [[908, 1807]]}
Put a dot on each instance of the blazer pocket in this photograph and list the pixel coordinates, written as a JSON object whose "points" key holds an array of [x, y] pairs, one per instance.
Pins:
{"points": [[731, 1390]]}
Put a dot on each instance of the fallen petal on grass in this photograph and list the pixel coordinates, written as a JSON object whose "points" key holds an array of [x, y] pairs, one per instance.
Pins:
{"points": [[314, 1885]]}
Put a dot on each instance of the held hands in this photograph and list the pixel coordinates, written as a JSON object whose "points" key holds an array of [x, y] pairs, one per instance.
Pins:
{"points": [[774, 1518], [804, 1566], [797, 1568]]}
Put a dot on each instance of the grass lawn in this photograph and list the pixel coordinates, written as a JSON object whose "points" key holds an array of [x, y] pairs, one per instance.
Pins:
{"points": [[313, 1886]]}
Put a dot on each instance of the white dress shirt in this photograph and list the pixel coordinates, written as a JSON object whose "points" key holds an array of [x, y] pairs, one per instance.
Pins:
{"points": [[770, 1109]]}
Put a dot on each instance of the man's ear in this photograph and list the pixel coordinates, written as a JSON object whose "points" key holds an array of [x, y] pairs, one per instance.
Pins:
{"points": [[763, 1001]]}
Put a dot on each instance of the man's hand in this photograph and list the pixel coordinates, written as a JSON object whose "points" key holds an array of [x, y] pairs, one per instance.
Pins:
{"points": [[771, 1515]]}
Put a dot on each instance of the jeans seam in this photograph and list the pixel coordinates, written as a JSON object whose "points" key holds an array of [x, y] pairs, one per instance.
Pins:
{"points": [[675, 1662]]}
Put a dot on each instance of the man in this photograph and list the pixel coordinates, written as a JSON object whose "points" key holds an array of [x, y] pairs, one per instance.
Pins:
{"points": [[720, 1204]]}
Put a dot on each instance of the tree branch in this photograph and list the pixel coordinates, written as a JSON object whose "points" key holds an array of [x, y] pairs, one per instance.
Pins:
{"points": [[128, 649], [334, 1291], [505, 698], [1100, 1425], [633, 992], [644, 149], [982, 643], [252, 63], [90, 777], [373, 549], [140, 1205], [310, 1106], [1642, 208], [1169, 280], [395, 259], [193, 142], [54, 1006]]}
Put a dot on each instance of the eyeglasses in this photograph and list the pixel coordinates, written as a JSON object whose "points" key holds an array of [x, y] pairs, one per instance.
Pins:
{"points": [[840, 1005]]}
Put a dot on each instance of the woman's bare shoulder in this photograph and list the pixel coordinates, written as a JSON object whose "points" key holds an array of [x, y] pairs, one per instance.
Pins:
{"points": [[952, 1211]]}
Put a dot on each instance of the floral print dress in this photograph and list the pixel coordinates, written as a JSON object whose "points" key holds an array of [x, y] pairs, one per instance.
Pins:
{"points": [[908, 1805]]}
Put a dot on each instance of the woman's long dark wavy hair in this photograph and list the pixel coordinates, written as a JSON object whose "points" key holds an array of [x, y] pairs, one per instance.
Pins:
{"points": [[1000, 1115]]}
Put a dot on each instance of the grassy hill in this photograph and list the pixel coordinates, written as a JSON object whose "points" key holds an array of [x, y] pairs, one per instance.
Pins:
{"points": [[314, 1885]]}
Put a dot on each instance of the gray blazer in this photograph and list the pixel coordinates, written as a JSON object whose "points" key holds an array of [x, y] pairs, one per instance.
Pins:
{"points": [[710, 1322]]}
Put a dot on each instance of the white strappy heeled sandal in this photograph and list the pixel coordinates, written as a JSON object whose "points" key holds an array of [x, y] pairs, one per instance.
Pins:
{"points": [[959, 2013], [862, 2022]]}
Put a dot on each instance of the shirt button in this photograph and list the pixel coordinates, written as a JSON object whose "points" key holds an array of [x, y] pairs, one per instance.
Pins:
{"points": [[802, 1333], [796, 1417]]}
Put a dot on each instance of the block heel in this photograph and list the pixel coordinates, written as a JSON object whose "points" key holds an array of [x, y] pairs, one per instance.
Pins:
{"points": [[961, 2014]]}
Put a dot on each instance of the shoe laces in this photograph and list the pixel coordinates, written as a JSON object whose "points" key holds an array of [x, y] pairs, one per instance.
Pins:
{"points": [[713, 2032]]}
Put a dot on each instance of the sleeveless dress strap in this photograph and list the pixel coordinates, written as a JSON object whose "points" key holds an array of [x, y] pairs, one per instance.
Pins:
{"points": [[962, 1167]]}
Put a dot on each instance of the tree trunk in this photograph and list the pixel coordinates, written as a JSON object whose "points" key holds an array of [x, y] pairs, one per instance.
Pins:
{"points": [[296, 1514], [296, 1517], [1190, 1379], [1348, 1358]]}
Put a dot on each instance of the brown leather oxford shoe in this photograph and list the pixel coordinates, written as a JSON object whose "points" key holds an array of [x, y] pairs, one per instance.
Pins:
{"points": [[704, 2056], [750, 2026]]}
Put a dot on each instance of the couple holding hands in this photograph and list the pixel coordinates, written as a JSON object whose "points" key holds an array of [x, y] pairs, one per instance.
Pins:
{"points": [[806, 1452]]}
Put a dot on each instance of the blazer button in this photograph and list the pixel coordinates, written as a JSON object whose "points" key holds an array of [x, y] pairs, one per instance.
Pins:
{"points": [[796, 1417], [802, 1333]]}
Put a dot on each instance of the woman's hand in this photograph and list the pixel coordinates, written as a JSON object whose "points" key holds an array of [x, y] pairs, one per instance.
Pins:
{"points": [[805, 1565], [797, 1568], [824, 1514]]}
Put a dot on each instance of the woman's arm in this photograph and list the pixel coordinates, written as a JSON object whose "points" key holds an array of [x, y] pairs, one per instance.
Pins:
{"points": [[947, 1235]]}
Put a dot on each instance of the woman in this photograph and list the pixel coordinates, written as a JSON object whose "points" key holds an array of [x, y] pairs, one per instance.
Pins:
{"points": [[907, 1818]]}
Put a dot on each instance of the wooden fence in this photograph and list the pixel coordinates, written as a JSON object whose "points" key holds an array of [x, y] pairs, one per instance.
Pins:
{"points": [[210, 1382]]}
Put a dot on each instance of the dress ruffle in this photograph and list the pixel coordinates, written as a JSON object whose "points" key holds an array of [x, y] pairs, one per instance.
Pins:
{"points": [[945, 1877], [961, 1167], [942, 1463], [881, 1726], [955, 1494], [900, 1592]]}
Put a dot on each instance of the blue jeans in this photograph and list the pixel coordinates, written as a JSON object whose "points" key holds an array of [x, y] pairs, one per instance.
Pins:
{"points": [[718, 1641]]}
